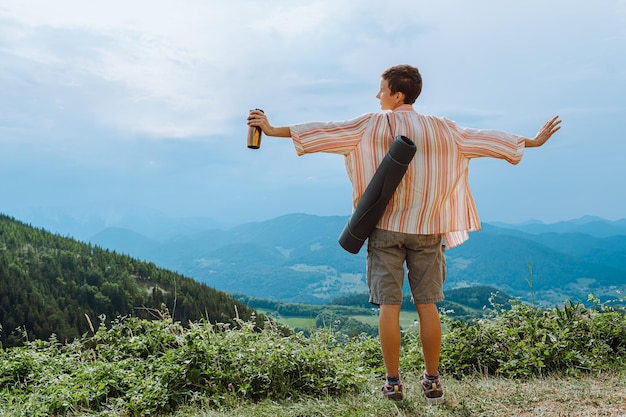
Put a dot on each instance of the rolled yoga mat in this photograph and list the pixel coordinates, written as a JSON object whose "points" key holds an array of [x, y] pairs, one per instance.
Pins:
{"points": [[377, 194]]}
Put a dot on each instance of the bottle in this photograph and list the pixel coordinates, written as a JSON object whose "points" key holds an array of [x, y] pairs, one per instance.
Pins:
{"points": [[254, 136]]}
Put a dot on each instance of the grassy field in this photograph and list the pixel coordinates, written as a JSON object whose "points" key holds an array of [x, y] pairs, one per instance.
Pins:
{"points": [[407, 319], [298, 322], [588, 396]]}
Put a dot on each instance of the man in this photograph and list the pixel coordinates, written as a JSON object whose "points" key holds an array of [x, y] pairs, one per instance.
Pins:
{"points": [[432, 204]]}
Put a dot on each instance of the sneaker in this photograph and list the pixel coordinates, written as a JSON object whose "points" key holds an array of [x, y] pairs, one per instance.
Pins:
{"points": [[392, 392], [432, 391]]}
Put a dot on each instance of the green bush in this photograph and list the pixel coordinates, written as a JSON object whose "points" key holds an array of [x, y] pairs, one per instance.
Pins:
{"points": [[143, 367], [526, 341]]}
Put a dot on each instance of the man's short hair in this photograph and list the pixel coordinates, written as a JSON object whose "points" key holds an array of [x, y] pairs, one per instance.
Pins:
{"points": [[405, 79]]}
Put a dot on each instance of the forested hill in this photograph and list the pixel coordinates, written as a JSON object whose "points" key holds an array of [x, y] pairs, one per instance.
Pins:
{"points": [[49, 283]]}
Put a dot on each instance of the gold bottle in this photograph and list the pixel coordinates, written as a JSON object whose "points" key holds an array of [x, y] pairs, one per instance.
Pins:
{"points": [[254, 136]]}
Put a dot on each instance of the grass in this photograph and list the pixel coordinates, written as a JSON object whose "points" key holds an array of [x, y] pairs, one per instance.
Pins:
{"points": [[586, 396], [298, 322]]}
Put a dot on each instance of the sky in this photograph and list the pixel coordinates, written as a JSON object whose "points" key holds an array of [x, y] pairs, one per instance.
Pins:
{"points": [[117, 106]]}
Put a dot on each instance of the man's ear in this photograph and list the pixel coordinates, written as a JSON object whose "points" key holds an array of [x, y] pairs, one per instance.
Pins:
{"points": [[400, 97]]}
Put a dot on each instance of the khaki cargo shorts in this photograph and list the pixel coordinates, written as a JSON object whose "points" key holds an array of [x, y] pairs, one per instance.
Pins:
{"points": [[387, 253]]}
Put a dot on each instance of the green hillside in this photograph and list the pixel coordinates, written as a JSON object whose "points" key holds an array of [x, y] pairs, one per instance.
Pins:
{"points": [[50, 284]]}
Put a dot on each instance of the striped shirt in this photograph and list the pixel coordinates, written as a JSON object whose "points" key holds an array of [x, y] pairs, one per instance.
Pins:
{"points": [[434, 196]]}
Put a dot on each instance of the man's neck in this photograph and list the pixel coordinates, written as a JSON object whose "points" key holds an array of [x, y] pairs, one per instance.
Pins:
{"points": [[404, 107]]}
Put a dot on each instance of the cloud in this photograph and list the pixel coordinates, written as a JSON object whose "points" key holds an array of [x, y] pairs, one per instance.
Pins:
{"points": [[152, 68]]}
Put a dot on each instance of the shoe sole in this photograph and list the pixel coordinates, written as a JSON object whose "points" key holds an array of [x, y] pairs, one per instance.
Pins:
{"points": [[435, 401]]}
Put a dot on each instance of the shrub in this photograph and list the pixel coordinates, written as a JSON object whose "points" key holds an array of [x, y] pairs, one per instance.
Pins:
{"points": [[144, 367], [526, 341]]}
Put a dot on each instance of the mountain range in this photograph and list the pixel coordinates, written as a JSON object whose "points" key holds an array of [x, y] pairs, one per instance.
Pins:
{"points": [[296, 258], [53, 284]]}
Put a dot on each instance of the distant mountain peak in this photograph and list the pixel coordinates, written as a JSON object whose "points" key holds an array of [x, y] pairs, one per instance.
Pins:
{"points": [[588, 219]]}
